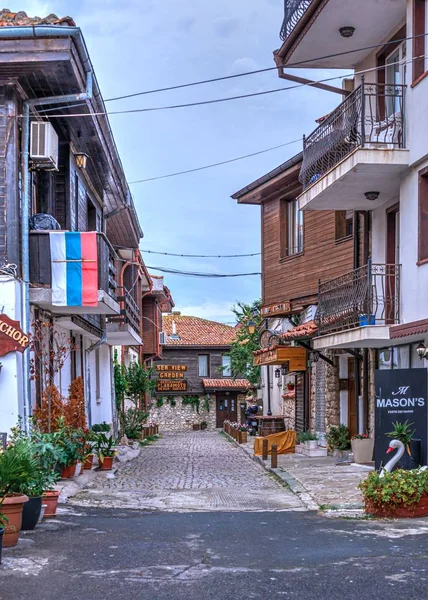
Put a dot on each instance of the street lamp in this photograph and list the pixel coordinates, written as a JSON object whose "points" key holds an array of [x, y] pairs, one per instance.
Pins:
{"points": [[251, 327], [422, 351], [277, 373], [81, 160]]}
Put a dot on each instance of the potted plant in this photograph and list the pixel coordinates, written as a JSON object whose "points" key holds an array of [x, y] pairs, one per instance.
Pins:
{"points": [[204, 425], [403, 432], [17, 468], [3, 521], [105, 451], [338, 439], [243, 434], [196, 426], [362, 448], [400, 494], [290, 386]]}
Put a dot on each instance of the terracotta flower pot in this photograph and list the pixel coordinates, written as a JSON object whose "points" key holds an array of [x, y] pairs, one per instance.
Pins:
{"points": [[196, 427], [65, 472], [50, 499], [12, 509], [400, 512], [88, 462], [362, 450], [106, 463], [72, 471]]}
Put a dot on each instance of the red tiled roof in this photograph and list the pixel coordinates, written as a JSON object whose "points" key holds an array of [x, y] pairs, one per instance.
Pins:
{"points": [[194, 331], [407, 329], [21, 19], [305, 330], [230, 384]]}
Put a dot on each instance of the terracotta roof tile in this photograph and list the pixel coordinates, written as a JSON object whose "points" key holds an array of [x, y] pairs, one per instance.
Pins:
{"points": [[21, 19], [305, 330], [230, 384], [194, 331]]}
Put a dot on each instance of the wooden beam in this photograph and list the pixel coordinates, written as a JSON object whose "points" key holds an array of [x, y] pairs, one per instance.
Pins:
{"points": [[320, 86]]}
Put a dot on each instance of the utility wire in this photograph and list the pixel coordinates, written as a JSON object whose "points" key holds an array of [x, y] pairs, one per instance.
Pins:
{"points": [[223, 162], [196, 274], [202, 255], [228, 98]]}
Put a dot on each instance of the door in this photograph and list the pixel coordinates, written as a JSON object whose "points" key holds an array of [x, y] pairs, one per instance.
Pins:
{"points": [[392, 262], [226, 407], [352, 398], [395, 75]]}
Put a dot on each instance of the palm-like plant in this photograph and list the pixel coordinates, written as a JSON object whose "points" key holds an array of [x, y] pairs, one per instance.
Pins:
{"points": [[18, 468]]}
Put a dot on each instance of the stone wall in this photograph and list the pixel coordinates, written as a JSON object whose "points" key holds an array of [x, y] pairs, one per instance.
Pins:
{"points": [[181, 417], [332, 395], [371, 399]]}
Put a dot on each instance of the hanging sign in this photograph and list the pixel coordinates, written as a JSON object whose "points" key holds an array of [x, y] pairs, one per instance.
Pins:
{"points": [[282, 354], [274, 310], [400, 395], [12, 338], [163, 385]]}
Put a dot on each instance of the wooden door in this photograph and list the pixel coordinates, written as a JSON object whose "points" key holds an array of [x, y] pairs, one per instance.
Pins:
{"points": [[226, 408], [352, 398]]}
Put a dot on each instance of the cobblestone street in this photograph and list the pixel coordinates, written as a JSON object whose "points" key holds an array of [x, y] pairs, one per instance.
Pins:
{"points": [[188, 472]]}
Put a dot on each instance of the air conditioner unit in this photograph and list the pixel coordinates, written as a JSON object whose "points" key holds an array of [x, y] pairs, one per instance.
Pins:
{"points": [[44, 145], [162, 338]]}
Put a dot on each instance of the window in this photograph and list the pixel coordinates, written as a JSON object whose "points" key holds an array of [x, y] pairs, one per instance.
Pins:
{"points": [[291, 233], [423, 216], [399, 357], [203, 365], [344, 223], [226, 366]]}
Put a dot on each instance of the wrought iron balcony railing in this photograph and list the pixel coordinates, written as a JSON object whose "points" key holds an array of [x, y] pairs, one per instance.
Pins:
{"points": [[129, 311], [293, 12], [369, 295], [372, 116]]}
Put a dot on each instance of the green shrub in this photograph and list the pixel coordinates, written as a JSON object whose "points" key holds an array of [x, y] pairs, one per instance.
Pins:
{"points": [[338, 438], [395, 489]]}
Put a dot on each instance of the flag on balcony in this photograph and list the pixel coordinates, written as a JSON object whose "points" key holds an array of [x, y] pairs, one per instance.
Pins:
{"points": [[74, 265]]}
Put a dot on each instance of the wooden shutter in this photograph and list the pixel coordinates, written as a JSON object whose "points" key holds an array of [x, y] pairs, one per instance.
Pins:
{"points": [[423, 215], [419, 44]]}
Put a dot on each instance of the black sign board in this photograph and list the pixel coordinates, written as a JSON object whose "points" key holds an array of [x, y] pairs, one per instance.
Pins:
{"points": [[400, 395]]}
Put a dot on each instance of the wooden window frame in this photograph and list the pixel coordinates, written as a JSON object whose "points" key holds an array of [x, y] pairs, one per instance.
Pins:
{"points": [[230, 365], [398, 37], [338, 217], [208, 365], [419, 43], [283, 230], [422, 189]]}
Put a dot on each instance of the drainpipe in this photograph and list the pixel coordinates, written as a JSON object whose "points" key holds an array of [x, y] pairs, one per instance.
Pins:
{"points": [[25, 216], [101, 342]]}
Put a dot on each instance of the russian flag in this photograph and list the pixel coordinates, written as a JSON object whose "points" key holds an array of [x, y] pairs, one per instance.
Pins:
{"points": [[74, 264]]}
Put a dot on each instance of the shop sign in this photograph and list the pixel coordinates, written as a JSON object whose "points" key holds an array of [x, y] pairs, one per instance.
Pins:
{"points": [[296, 356], [12, 338], [275, 310], [400, 395], [171, 375], [176, 368], [163, 385]]}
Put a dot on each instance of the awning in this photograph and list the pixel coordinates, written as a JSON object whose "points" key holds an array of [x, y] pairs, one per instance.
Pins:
{"points": [[305, 331], [227, 384]]}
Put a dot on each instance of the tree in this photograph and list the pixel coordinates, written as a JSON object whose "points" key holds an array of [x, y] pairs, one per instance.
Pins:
{"points": [[241, 352]]}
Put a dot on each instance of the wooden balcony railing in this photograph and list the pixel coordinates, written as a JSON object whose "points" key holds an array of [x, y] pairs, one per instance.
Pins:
{"points": [[372, 116], [40, 262], [293, 12], [369, 295], [129, 311]]}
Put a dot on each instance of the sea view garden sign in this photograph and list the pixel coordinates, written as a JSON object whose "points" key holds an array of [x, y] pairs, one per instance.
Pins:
{"points": [[400, 395]]}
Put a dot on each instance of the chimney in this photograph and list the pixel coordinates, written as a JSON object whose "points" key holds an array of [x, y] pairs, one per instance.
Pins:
{"points": [[174, 328]]}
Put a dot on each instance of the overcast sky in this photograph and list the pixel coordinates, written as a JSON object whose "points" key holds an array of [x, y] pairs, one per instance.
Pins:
{"points": [[138, 45]]}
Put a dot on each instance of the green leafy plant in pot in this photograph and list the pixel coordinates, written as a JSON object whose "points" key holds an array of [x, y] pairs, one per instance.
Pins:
{"points": [[404, 432], [105, 450]]}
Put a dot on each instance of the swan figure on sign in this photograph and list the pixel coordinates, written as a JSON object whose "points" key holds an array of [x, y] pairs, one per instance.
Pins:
{"points": [[399, 446]]}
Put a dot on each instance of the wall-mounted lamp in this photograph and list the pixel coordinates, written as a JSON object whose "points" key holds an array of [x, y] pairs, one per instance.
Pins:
{"points": [[277, 373], [347, 31], [81, 160], [284, 370], [422, 351], [251, 327], [372, 196]]}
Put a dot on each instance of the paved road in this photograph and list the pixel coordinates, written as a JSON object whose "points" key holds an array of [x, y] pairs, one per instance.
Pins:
{"points": [[191, 471], [101, 554]]}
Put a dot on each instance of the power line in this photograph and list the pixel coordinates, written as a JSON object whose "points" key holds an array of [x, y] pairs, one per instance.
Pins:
{"points": [[202, 255], [196, 274], [223, 162], [228, 98]]}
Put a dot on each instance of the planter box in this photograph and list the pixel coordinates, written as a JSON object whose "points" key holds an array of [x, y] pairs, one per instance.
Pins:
{"points": [[243, 437], [402, 512], [362, 450], [196, 427]]}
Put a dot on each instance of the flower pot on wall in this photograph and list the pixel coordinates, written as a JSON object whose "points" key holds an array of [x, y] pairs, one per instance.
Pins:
{"points": [[31, 513], [12, 509], [362, 450]]}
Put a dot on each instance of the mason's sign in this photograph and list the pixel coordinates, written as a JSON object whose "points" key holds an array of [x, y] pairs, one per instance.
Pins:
{"points": [[400, 395], [12, 338]]}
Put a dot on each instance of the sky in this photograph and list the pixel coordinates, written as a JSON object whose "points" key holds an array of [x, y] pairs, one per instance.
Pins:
{"points": [[138, 45]]}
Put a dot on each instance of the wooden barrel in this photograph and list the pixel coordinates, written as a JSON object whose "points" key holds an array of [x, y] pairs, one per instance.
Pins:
{"points": [[270, 425]]}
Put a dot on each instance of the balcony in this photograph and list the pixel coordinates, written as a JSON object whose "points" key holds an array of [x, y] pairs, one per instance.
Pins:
{"points": [[41, 278], [125, 329], [359, 147], [356, 310], [293, 12]]}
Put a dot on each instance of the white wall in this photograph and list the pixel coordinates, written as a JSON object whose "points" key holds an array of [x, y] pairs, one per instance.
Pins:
{"points": [[11, 376], [101, 406], [343, 374]]}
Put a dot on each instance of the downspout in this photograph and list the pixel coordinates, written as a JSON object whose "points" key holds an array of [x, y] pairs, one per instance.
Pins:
{"points": [[25, 216], [101, 342]]}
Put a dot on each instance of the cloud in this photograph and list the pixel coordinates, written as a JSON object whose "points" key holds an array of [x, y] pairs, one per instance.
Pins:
{"points": [[225, 27], [243, 64], [186, 24]]}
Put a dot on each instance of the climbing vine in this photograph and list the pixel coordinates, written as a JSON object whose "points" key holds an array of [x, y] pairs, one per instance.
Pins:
{"points": [[193, 401]]}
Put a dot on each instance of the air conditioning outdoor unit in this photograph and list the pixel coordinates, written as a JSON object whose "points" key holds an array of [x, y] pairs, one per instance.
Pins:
{"points": [[44, 145], [162, 338]]}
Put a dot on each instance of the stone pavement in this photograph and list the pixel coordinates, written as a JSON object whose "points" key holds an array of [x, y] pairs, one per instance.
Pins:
{"points": [[194, 471], [325, 482]]}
